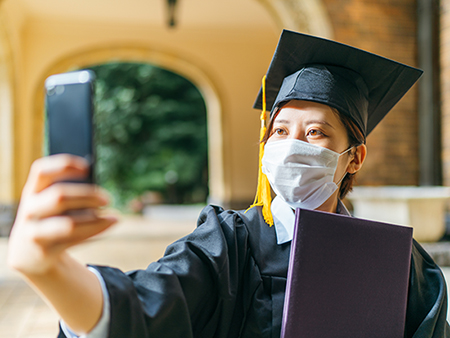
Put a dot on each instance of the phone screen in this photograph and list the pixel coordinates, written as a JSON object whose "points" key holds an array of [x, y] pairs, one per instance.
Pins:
{"points": [[69, 103]]}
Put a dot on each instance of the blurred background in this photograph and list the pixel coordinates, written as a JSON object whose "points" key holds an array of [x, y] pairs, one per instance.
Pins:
{"points": [[177, 80], [175, 128]]}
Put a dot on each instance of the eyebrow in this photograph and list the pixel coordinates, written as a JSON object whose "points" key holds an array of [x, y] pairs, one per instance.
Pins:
{"points": [[319, 122], [282, 121]]}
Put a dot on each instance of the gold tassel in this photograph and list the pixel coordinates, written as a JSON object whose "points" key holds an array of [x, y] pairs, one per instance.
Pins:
{"points": [[263, 196]]}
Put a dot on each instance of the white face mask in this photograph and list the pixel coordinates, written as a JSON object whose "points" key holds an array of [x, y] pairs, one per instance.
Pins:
{"points": [[301, 173]]}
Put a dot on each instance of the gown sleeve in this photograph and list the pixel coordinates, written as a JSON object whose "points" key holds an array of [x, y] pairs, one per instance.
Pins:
{"points": [[189, 292], [426, 314]]}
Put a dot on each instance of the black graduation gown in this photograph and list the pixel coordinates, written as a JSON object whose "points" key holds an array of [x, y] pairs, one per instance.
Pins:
{"points": [[228, 279]]}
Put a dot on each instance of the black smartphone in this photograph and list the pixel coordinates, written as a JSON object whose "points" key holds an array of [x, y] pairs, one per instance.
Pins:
{"points": [[70, 108]]}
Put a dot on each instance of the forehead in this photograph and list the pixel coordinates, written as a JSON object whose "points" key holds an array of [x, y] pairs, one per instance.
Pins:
{"points": [[304, 111]]}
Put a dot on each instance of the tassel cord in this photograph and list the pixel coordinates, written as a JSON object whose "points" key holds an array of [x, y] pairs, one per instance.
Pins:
{"points": [[263, 193]]}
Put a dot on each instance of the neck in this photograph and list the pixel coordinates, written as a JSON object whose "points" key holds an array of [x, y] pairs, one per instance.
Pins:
{"points": [[330, 204]]}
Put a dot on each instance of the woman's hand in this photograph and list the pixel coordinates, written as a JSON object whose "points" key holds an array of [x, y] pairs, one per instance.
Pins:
{"points": [[54, 216]]}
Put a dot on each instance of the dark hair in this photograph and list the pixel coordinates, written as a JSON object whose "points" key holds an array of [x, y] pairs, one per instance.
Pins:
{"points": [[355, 138]]}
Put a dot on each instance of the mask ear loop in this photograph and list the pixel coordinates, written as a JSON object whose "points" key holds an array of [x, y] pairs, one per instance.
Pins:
{"points": [[263, 195], [345, 174], [340, 181]]}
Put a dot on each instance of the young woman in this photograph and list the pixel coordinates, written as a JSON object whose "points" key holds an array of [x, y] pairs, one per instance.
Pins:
{"points": [[228, 277]]}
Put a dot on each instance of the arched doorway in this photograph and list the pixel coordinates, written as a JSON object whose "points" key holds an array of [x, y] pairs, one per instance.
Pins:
{"points": [[151, 136], [165, 60], [204, 55]]}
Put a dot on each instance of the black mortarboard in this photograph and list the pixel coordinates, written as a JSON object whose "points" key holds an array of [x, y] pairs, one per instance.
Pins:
{"points": [[361, 85]]}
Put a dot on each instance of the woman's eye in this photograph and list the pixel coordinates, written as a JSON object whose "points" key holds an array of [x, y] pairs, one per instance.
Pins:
{"points": [[314, 132], [279, 131]]}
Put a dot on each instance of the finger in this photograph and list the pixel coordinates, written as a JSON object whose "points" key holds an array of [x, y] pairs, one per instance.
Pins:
{"points": [[63, 197], [48, 170], [64, 230], [82, 215]]}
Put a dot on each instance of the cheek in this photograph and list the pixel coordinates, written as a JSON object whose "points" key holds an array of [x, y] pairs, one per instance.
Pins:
{"points": [[343, 163], [270, 139]]}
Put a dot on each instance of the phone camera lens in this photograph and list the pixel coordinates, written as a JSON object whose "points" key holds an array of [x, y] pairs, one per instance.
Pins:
{"points": [[59, 90], [51, 90], [83, 77]]}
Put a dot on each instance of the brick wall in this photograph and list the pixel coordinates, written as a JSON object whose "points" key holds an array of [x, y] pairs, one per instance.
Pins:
{"points": [[445, 88], [388, 28]]}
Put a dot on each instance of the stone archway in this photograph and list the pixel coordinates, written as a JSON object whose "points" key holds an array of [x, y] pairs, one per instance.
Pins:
{"points": [[308, 16], [6, 120], [162, 59]]}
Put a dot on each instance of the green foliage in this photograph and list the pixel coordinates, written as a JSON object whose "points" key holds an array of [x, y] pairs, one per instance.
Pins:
{"points": [[150, 134]]}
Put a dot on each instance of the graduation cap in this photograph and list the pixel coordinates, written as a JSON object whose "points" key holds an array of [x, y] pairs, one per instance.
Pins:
{"points": [[361, 85]]}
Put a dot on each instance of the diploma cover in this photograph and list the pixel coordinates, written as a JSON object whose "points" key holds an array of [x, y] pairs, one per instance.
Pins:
{"points": [[347, 277]]}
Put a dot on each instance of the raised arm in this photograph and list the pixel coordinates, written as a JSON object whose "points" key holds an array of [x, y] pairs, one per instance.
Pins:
{"points": [[46, 227]]}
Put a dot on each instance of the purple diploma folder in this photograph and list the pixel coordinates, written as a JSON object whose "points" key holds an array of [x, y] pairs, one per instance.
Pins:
{"points": [[347, 277]]}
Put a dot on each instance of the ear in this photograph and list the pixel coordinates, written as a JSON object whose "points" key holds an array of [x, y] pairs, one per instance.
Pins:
{"points": [[358, 159]]}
